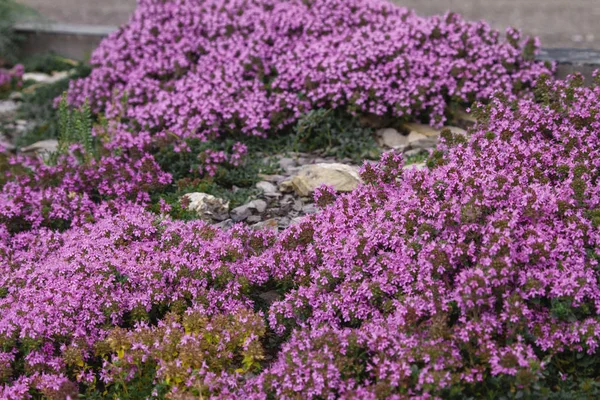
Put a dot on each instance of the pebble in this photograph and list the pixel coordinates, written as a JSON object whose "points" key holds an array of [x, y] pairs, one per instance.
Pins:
{"points": [[270, 224], [342, 177], [208, 206], [8, 109], [268, 188], [42, 147], [287, 164], [310, 209], [243, 212]]}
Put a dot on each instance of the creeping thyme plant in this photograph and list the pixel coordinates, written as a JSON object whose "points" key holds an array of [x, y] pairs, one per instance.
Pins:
{"points": [[476, 277]]}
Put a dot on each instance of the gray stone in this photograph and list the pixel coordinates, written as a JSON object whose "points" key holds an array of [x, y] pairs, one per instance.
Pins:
{"points": [[259, 205], [270, 224], [415, 136], [45, 78], [297, 206], [268, 188], [43, 147], [8, 109], [309, 209], [284, 222], [296, 220], [287, 199], [391, 138], [225, 225], [303, 161], [343, 178], [253, 219], [16, 96], [207, 206], [429, 131], [426, 143], [243, 212], [272, 178], [287, 164]]}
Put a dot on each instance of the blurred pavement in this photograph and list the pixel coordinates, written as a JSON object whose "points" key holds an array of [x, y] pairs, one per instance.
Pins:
{"points": [[559, 23]]}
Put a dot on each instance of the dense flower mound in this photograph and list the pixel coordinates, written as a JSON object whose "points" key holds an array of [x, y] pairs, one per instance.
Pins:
{"points": [[479, 272], [207, 68]]}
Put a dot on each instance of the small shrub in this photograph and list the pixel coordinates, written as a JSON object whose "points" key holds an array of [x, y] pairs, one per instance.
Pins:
{"points": [[75, 127], [334, 134], [39, 107]]}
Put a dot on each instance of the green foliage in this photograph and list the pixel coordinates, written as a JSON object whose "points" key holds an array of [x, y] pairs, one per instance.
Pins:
{"points": [[334, 133], [178, 211], [48, 63], [186, 164], [75, 126], [141, 386], [418, 158], [38, 106], [233, 184], [329, 132]]}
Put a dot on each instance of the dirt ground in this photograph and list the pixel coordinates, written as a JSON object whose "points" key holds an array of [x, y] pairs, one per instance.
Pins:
{"points": [[559, 23]]}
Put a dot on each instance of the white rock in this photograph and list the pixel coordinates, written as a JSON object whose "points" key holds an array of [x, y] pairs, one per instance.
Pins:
{"points": [[430, 131], [270, 225], [456, 130], [244, 211], [418, 166], [45, 78], [8, 109], [415, 137], [206, 205], [391, 138], [421, 128], [343, 178], [287, 164], [425, 143], [258, 205], [42, 147], [16, 96], [268, 188]]}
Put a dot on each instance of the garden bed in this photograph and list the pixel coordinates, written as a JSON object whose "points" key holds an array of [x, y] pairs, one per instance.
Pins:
{"points": [[416, 216]]}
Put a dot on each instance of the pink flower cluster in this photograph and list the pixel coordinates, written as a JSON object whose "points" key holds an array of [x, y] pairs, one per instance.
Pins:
{"points": [[212, 159], [34, 194], [199, 68], [484, 265], [11, 77]]}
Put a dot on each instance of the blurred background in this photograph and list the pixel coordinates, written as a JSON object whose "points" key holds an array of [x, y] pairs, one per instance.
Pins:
{"points": [[559, 23]]}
